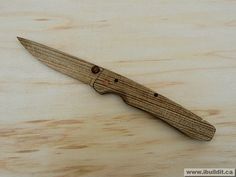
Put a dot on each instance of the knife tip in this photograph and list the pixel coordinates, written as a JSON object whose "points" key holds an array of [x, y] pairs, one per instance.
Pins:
{"points": [[20, 38]]}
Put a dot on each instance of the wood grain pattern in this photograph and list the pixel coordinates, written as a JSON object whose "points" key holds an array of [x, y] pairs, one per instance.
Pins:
{"points": [[145, 99], [60, 61], [134, 94], [54, 126]]}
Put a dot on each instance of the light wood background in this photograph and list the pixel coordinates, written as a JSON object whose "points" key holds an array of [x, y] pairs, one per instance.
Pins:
{"points": [[54, 126]]}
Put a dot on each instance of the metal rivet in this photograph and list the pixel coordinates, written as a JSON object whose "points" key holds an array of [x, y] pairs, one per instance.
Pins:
{"points": [[155, 94], [95, 69], [116, 80]]}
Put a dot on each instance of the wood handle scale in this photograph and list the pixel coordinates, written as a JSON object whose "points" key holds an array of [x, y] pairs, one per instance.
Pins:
{"points": [[161, 107]]}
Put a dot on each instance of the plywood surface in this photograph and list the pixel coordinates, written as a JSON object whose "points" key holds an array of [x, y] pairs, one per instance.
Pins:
{"points": [[52, 125]]}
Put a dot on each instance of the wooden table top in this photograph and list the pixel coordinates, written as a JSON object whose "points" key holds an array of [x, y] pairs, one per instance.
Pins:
{"points": [[52, 125]]}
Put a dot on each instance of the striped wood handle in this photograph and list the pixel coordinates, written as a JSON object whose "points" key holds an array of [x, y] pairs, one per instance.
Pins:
{"points": [[143, 98]]}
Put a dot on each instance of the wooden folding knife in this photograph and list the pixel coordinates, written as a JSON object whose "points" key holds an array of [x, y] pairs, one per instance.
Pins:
{"points": [[134, 94]]}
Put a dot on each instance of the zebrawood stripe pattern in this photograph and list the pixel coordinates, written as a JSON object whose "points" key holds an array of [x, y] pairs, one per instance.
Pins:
{"points": [[134, 94], [143, 98], [60, 61]]}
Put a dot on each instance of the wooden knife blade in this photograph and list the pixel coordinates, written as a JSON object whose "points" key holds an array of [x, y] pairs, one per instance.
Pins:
{"points": [[134, 94]]}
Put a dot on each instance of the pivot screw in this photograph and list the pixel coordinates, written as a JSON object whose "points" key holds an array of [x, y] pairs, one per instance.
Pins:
{"points": [[95, 69]]}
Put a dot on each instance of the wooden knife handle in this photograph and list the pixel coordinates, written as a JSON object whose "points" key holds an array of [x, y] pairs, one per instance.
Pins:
{"points": [[143, 98]]}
